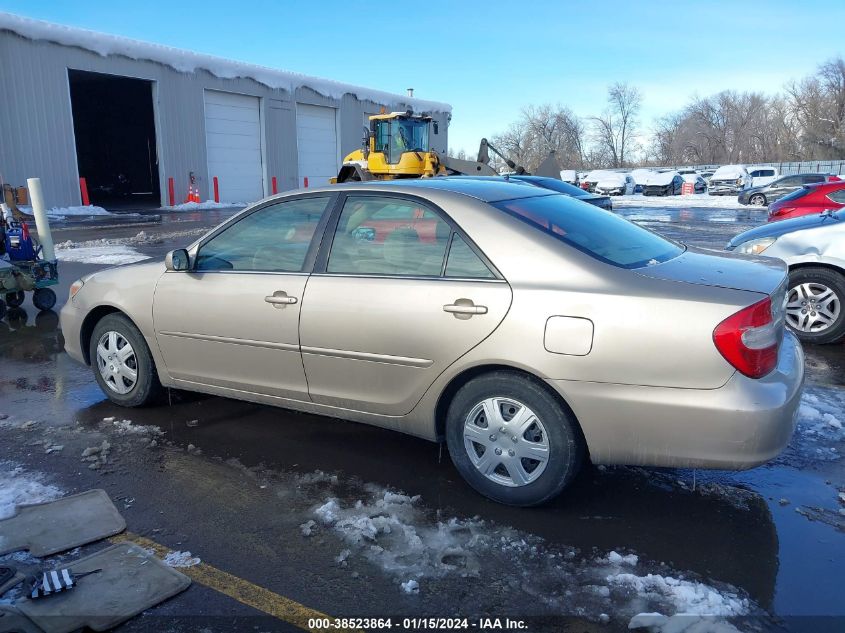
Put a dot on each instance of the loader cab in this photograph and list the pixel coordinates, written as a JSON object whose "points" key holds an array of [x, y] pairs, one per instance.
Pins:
{"points": [[393, 135]]}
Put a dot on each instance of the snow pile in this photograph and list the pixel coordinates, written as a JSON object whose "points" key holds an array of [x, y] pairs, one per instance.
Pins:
{"points": [[693, 178], [112, 254], [202, 206], [125, 427], [689, 598], [181, 559], [397, 534], [58, 213], [189, 62], [18, 487]]}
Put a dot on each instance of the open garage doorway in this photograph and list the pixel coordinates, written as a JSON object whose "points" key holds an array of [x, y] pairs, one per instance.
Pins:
{"points": [[114, 125]]}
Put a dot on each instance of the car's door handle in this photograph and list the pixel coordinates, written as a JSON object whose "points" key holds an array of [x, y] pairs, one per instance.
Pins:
{"points": [[464, 308], [280, 299]]}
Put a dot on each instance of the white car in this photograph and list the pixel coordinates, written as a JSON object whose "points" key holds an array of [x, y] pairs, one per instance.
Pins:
{"points": [[762, 175], [613, 183], [813, 247], [729, 180]]}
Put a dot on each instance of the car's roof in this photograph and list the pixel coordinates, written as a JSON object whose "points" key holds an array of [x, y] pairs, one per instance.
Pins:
{"points": [[490, 189]]}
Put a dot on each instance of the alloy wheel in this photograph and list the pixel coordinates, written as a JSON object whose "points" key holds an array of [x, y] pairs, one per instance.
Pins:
{"points": [[117, 362], [812, 307], [506, 441], [757, 200]]}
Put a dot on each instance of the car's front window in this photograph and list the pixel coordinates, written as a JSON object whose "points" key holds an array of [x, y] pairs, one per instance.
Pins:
{"points": [[602, 235], [273, 239]]}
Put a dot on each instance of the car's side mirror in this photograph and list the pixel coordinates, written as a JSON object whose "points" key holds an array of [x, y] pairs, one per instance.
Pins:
{"points": [[177, 260]]}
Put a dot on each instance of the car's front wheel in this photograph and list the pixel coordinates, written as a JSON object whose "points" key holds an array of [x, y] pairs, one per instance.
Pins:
{"points": [[757, 200], [814, 308], [512, 440], [122, 363]]}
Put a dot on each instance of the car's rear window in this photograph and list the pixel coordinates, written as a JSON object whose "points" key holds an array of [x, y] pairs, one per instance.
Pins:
{"points": [[798, 193], [596, 232]]}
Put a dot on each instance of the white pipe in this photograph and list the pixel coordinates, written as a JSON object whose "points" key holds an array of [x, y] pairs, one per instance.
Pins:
{"points": [[42, 224]]}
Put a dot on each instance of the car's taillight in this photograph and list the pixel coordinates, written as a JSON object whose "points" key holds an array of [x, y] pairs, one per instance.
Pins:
{"points": [[749, 339]]}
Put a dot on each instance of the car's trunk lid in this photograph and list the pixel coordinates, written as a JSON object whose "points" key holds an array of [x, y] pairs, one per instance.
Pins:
{"points": [[724, 270]]}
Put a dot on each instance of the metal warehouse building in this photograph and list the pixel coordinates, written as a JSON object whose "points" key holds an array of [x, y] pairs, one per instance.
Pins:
{"points": [[136, 119]]}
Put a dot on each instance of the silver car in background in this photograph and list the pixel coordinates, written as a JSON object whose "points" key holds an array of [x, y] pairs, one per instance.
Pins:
{"points": [[813, 247], [529, 330]]}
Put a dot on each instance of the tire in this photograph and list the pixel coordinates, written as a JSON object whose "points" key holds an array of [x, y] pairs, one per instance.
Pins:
{"points": [[758, 200], [43, 298], [15, 299], [115, 331], [816, 305], [557, 438]]}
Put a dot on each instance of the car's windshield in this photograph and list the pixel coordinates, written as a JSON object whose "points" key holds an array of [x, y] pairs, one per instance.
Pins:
{"points": [[397, 136], [600, 234]]}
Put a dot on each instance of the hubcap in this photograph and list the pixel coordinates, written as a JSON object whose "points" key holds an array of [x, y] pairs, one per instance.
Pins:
{"points": [[516, 452], [757, 201], [812, 307], [117, 362]]}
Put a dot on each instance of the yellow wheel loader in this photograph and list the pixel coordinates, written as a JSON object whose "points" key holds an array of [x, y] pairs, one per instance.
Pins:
{"points": [[396, 145]]}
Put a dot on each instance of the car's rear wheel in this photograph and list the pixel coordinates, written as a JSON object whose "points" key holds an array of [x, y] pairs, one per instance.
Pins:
{"points": [[512, 440], [814, 308], [122, 363], [757, 200]]}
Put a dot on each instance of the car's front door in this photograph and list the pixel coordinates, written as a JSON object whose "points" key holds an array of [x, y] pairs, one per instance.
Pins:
{"points": [[400, 295], [232, 320]]}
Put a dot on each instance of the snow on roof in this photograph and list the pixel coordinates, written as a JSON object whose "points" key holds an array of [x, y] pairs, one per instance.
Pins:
{"points": [[660, 178], [729, 171], [640, 175], [611, 179], [185, 61]]}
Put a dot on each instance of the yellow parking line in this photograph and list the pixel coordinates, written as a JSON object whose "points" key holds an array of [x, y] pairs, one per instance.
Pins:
{"points": [[237, 588]]}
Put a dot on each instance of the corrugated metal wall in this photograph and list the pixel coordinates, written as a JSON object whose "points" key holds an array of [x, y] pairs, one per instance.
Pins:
{"points": [[36, 123]]}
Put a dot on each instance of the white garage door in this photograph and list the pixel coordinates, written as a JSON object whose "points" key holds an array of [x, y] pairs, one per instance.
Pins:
{"points": [[316, 139], [233, 140]]}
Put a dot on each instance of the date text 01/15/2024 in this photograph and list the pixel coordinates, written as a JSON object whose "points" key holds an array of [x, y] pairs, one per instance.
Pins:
{"points": [[416, 624]]}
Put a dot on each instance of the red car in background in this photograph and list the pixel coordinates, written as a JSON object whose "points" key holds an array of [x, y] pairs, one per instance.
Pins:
{"points": [[808, 200]]}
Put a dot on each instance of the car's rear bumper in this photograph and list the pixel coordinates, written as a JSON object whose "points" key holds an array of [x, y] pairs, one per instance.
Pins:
{"points": [[742, 424]]}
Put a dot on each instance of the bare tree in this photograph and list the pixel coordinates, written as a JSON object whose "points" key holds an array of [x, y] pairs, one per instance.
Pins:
{"points": [[615, 131]]}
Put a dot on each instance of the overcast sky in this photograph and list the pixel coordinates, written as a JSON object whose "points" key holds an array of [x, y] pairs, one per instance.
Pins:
{"points": [[490, 59]]}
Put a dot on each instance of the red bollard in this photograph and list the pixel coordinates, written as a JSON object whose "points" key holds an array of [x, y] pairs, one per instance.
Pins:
{"points": [[306, 182], [83, 188], [275, 188], [216, 190], [170, 193]]}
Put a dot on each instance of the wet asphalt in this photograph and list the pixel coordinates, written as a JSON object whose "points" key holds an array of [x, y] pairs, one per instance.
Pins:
{"points": [[233, 482]]}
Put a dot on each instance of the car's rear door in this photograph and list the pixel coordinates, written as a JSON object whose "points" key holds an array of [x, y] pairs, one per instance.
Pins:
{"points": [[398, 293], [233, 320]]}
